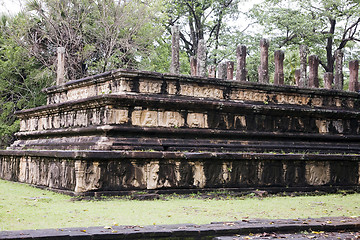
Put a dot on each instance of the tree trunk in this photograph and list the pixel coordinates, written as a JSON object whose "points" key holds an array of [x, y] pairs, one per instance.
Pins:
{"points": [[330, 41]]}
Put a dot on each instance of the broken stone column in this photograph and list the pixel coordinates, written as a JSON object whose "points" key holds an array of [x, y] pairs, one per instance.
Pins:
{"points": [[303, 64], [201, 58], [297, 77], [279, 67], [264, 61], [328, 79], [222, 70], [193, 66], [212, 71], [241, 63], [175, 49], [339, 77], [60, 71], [354, 75], [230, 70], [313, 71]]}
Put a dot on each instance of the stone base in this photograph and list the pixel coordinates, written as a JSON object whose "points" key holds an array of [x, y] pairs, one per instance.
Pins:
{"points": [[115, 171]]}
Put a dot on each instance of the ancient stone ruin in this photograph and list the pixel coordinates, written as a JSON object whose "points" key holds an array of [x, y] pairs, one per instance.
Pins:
{"points": [[129, 130]]}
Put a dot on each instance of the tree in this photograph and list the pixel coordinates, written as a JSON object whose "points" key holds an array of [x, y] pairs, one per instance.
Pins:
{"points": [[97, 35], [323, 25], [21, 80], [203, 19], [159, 59]]}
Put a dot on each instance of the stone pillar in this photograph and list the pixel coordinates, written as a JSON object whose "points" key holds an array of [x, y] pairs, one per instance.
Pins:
{"points": [[212, 71], [328, 79], [175, 48], [193, 66], [230, 70], [264, 61], [60, 71], [303, 64], [201, 58], [222, 70], [297, 77], [339, 77], [241, 63], [354, 75], [313, 71], [279, 67]]}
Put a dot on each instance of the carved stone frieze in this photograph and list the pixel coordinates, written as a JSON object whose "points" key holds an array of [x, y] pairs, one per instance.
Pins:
{"points": [[197, 120], [317, 173]]}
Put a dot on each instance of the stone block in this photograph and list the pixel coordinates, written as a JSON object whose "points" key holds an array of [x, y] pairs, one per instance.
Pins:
{"points": [[197, 120], [317, 173]]}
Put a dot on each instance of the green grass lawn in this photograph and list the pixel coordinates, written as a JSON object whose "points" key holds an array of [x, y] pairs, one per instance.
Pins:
{"points": [[25, 207]]}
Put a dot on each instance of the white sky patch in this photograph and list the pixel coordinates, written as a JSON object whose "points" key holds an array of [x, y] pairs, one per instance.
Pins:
{"points": [[14, 6], [243, 23], [10, 6]]}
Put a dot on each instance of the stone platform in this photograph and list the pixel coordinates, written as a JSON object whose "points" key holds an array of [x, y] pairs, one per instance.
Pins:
{"points": [[129, 130], [246, 229]]}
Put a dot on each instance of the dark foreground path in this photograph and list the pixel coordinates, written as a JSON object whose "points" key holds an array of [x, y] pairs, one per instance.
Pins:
{"points": [[303, 235], [322, 228]]}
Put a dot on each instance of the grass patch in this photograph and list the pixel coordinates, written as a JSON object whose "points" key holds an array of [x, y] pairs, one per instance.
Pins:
{"points": [[25, 207]]}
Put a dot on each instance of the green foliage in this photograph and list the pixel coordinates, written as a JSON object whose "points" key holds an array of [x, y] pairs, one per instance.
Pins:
{"points": [[291, 63], [159, 59], [97, 35], [206, 19], [21, 81], [324, 26]]}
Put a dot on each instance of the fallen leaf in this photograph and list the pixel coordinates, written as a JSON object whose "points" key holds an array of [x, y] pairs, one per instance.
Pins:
{"points": [[229, 224]]}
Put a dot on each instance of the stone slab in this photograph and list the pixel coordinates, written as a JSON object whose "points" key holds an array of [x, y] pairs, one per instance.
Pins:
{"points": [[218, 230]]}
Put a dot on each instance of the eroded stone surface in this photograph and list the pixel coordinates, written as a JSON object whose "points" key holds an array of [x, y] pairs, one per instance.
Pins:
{"points": [[124, 174], [199, 121]]}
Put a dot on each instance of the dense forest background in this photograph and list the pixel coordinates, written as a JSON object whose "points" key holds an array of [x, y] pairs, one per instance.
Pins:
{"points": [[107, 34]]}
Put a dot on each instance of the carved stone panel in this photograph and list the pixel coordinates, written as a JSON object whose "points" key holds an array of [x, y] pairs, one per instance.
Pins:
{"points": [[317, 173], [87, 176], [322, 125], [171, 88], [199, 175], [240, 120], [187, 90], [197, 120], [103, 88], [170, 119], [117, 116], [148, 86], [144, 118], [152, 174]]}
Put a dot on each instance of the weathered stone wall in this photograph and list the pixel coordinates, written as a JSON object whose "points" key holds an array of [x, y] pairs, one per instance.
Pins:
{"points": [[38, 170], [174, 171], [126, 130], [121, 82], [168, 123]]}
